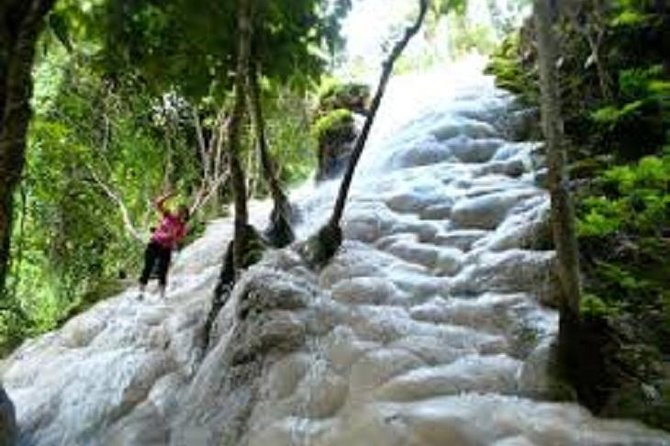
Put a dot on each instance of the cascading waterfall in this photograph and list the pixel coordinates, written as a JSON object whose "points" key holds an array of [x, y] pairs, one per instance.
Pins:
{"points": [[429, 327]]}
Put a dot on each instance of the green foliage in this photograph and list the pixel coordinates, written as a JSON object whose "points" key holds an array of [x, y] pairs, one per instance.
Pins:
{"points": [[288, 125], [117, 84], [635, 82], [70, 243], [172, 43], [642, 102], [637, 200], [447, 6], [602, 218], [611, 115], [470, 37], [592, 306], [623, 280], [513, 70], [629, 17], [616, 109]]}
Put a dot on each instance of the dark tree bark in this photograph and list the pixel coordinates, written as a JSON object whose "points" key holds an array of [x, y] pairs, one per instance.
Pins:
{"points": [[323, 245], [280, 232], [562, 210], [234, 134], [20, 24]]}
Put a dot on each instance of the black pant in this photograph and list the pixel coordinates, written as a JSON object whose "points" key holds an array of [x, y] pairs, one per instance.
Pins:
{"points": [[158, 256]]}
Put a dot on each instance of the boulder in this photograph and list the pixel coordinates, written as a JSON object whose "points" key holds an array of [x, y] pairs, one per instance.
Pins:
{"points": [[471, 150], [487, 211], [352, 96], [336, 133], [8, 430], [422, 153]]}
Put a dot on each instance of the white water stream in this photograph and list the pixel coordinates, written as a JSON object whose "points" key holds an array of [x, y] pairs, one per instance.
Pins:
{"points": [[426, 329]]}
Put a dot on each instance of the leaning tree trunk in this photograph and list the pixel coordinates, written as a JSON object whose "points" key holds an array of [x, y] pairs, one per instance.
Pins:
{"points": [[20, 24], [280, 232], [323, 245], [562, 211], [242, 230]]}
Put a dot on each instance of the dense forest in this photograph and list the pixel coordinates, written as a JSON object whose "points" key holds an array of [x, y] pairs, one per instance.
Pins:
{"points": [[105, 105]]}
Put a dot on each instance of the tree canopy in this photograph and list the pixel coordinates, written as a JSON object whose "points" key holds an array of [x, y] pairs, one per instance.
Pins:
{"points": [[190, 46]]}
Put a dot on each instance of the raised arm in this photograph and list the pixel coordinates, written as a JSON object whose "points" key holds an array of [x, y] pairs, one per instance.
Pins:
{"points": [[159, 202]]}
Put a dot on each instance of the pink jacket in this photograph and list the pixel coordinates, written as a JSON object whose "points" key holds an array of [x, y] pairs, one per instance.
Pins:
{"points": [[170, 231]]}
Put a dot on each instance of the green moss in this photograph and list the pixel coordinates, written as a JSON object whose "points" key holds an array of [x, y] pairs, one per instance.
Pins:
{"points": [[255, 247], [593, 306], [335, 126], [351, 96], [587, 167]]}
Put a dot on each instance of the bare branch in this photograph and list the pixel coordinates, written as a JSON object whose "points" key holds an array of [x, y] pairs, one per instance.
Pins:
{"points": [[387, 69], [205, 194], [201, 143], [125, 214]]}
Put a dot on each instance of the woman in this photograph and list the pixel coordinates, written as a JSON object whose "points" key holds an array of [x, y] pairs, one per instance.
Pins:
{"points": [[166, 237]]}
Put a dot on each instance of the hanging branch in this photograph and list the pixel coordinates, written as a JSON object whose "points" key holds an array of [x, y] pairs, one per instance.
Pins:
{"points": [[202, 146], [205, 194], [329, 238], [223, 123]]}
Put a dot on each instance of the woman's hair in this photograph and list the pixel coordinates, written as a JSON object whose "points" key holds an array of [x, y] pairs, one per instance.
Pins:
{"points": [[184, 212]]}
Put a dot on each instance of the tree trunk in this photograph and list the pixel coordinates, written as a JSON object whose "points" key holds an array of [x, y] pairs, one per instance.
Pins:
{"points": [[562, 211], [234, 133], [326, 242], [279, 232], [20, 24]]}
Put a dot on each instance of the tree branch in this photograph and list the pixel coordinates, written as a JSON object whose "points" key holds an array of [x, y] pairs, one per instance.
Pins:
{"points": [[387, 69], [205, 194], [125, 214]]}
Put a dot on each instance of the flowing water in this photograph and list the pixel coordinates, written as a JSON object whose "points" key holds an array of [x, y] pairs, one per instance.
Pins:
{"points": [[429, 327]]}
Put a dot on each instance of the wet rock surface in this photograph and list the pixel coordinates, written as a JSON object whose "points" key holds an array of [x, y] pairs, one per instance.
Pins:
{"points": [[7, 420], [427, 328]]}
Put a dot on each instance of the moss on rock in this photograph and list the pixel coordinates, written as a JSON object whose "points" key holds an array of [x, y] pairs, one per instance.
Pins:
{"points": [[335, 133], [351, 96]]}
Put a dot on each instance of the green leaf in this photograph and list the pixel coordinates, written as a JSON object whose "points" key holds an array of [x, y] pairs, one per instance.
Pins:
{"points": [[629, 18], [592, 305]]}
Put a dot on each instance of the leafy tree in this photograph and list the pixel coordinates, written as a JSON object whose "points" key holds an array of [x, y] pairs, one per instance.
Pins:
{"points": [[138, 95], [616, 117], [285, 47]]}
